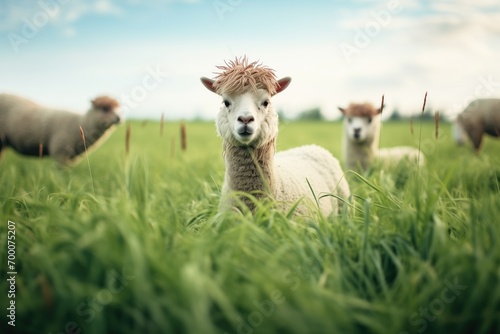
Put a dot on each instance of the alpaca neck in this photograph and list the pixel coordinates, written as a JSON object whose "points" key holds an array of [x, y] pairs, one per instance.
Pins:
{"points": [[364, 153], [251, 170], [375, 143]]}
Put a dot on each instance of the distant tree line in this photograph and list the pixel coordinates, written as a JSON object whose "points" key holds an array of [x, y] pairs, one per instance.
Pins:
{"points": [[315, 114], [426, 116]]}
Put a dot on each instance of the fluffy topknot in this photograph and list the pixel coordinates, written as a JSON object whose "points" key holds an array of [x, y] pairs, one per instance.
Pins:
{"points": [[105, 103], [239, 76], [361, 110]]}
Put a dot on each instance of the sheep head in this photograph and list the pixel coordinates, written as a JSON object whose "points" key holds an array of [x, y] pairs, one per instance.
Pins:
{"points": [[246, 117], [361, 122], [104, 112]]}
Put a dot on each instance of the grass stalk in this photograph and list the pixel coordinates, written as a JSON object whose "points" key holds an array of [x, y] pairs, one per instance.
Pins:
{"points": [[82, 134]]}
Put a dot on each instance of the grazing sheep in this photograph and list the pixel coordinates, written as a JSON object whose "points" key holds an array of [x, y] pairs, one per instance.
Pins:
{"points": [[34, 130], [362, 124], [481, 116], [248, 126]]}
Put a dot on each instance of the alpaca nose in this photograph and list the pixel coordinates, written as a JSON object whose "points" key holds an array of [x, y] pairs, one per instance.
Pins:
{"points": [[357, 133], [117, 119], [246, 119]]}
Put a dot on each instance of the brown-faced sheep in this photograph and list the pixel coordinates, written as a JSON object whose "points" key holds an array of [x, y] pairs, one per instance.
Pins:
{"points": [[362, 122], [481, 116], [34, 130]]}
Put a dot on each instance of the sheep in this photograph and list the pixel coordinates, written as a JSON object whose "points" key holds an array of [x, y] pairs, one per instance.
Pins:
{"points": [[362, 122], [482, 116], [34, 130], [248, 126]]}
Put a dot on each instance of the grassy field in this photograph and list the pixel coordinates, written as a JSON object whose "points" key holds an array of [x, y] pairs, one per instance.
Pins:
{"points": [[135, 245]]}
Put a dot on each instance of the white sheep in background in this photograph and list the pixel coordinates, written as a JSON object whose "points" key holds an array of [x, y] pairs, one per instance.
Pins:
{"points": [[248, 126], [482, 116], [362, 124], [34, 130]]}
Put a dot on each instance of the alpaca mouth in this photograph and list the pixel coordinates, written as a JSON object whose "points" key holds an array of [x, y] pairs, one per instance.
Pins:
{"points": [[244, 136], [357, 138], [245, 131]]}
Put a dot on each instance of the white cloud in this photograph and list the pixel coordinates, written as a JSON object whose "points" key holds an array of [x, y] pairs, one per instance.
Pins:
{"points": [[69, 32], [17, 13], [106, 7], [76, 9]]}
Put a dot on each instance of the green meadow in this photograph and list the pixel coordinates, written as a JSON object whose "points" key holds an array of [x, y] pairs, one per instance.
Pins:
{"points": [[134, 243]]}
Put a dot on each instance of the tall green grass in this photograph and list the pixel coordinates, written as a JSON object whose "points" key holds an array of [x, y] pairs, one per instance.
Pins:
{"points": [[145, 251]]}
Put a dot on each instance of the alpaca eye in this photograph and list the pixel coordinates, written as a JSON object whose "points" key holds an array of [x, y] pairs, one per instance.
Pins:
{"points": [[265, 103], [369, 120], [227, 103], [349, 120]]}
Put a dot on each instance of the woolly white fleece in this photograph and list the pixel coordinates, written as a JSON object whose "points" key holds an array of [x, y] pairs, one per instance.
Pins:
{"points": [[298, 166]]}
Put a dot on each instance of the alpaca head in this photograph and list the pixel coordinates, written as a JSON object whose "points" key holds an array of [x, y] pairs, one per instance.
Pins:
{"points": [[104, 112], [361, 122], [246, 117]]}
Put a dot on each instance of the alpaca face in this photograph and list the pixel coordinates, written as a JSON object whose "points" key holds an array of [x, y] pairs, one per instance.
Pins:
{"points": [[361, 129], [361, 122], [247, 119]]}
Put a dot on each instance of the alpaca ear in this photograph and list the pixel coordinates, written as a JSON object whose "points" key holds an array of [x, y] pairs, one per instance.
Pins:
{"points": [[209, 83], [379, 110], [283, 84], [342, 110]]}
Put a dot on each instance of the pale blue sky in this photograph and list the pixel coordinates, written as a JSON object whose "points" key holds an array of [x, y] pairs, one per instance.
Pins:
{"points": [[335, 51]]}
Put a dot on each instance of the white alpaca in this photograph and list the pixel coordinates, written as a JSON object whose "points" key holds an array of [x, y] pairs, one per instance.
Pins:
{"points": [[34, 130], [248, 126], [481, 117], [362, 124]]}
